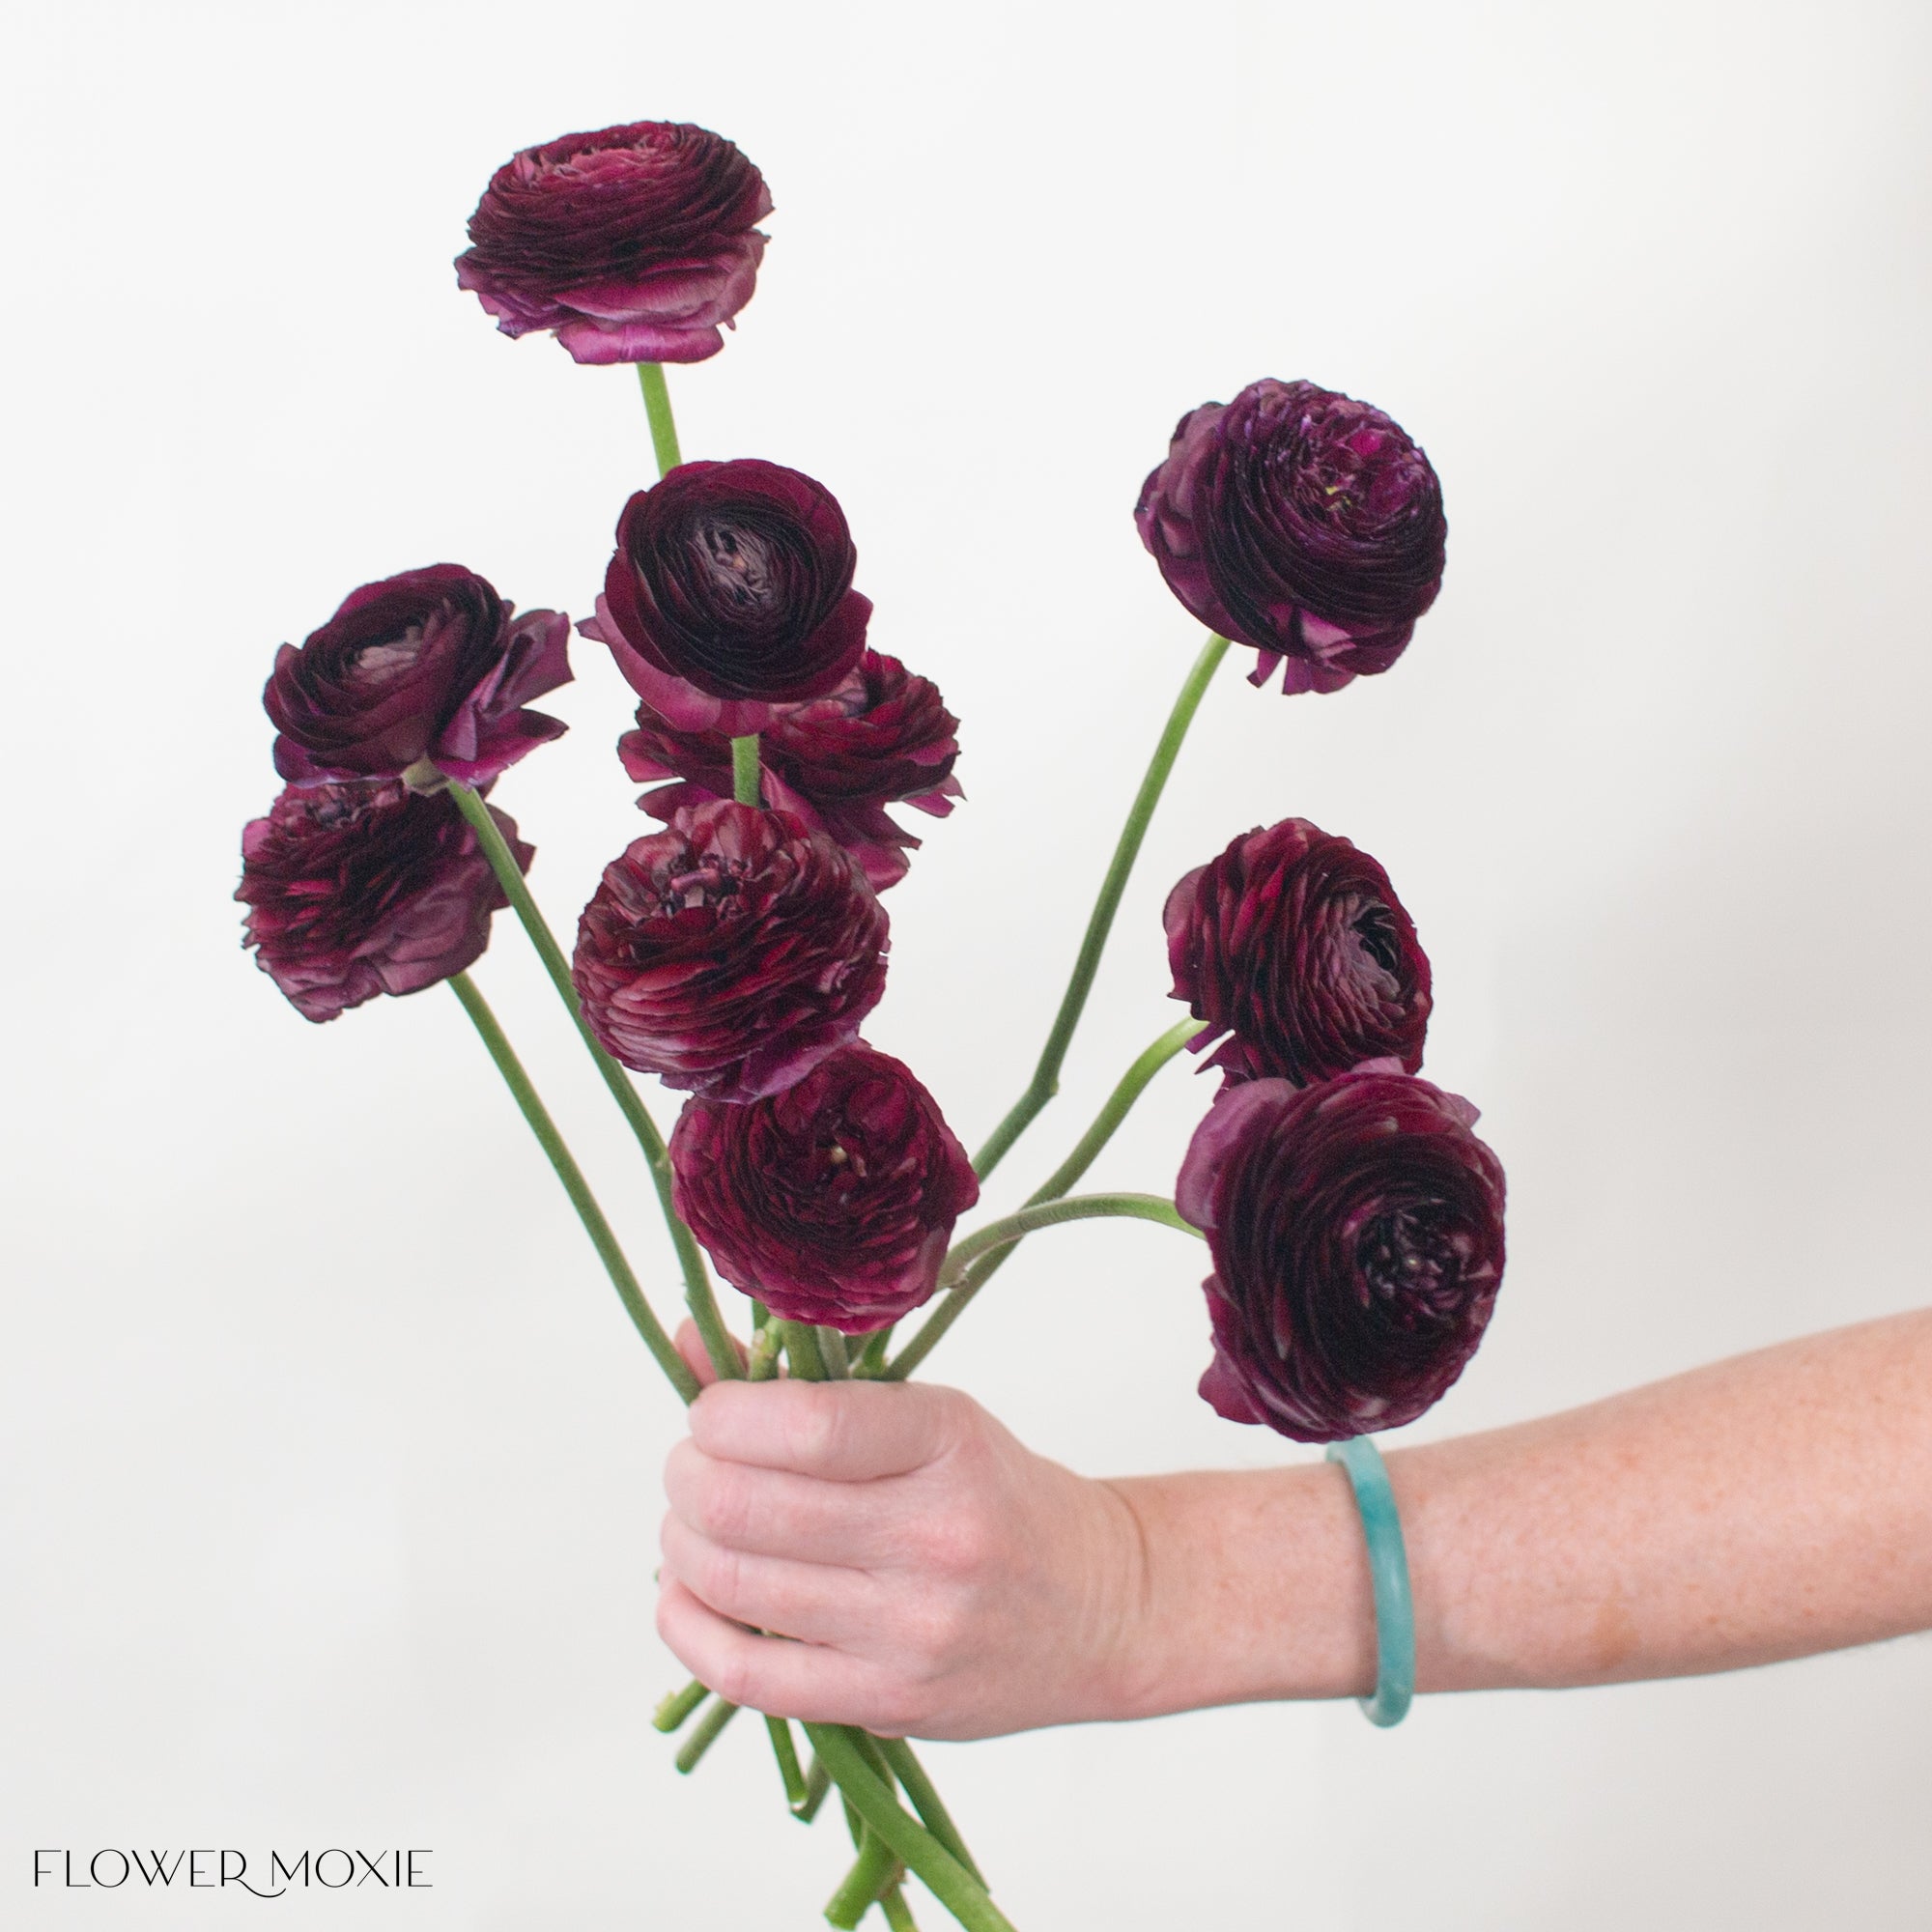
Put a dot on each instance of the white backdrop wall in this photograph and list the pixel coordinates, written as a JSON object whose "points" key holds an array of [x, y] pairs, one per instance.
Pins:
{"points": [[330, 1477]]}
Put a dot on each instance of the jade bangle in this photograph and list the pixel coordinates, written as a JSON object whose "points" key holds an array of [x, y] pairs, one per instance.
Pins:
{"points": [[1389, 1572]]}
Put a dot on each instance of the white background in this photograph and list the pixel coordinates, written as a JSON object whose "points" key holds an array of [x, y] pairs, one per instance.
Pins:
{"points": [[331, 1470]]}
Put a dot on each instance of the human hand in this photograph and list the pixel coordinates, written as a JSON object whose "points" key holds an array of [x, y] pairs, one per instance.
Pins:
{"points": [[920, 1571]]}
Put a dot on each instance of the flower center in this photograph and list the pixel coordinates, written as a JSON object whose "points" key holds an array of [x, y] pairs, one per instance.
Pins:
{"points": [[378, 666], [1374, 928], [707, 880], [1403, 1258], [735, 564]]}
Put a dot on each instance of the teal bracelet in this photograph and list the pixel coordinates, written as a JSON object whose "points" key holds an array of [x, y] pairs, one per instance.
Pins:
{"points": [[1389, 1572]]}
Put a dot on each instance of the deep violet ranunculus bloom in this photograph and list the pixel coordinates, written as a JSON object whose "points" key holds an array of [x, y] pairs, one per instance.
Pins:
{"points": [[882, 737], [427, 665], [367, 888], [730, 591], [1358, 1234], [730, 953], [833, 1202], [1301, 523], [633, 244], [1294, 946]]}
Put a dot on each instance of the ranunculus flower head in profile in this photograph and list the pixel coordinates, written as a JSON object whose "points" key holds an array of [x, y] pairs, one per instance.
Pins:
{"points": [[367, 888], [882, 737], [730, 953], [1293, 945], [731, 591], [1358, 1234], [1301, 523], [431, 664], [633, 244], [832, 1202]]}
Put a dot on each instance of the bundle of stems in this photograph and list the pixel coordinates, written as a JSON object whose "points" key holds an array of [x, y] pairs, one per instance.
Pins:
{"points": [[873, 1774]]}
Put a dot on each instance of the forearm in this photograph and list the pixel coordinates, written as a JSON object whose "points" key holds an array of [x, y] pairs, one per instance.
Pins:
{"points": [[1767, 1507]]}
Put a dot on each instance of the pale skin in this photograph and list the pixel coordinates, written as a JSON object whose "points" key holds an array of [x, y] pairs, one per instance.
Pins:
{"points": [[926, 1575]]}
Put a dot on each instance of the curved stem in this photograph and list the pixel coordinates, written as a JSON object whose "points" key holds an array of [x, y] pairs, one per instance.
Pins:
{"points": [[1049, 1213], [575, 1185], [698, 1295], [745, 775], [1132, 1085], [657, 406], [942, 1875], [1046, 1083]]}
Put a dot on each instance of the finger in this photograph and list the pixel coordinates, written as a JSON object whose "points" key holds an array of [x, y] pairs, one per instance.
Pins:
{"points": [[816, 1603], [774, 1513], [840, 1432], [690, 1344], [807, 1680]]}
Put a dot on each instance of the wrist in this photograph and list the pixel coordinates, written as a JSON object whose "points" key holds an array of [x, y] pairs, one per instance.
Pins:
{"points": [[1253, 1586]]}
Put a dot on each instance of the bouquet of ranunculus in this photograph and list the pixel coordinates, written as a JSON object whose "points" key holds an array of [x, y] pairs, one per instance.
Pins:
{"points": [[1353, 1219]]}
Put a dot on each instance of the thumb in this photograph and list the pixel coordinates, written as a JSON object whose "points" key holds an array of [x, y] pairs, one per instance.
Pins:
{"points": [[690, 1345]]}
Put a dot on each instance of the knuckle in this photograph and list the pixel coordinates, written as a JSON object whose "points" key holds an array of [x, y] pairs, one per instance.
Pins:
{"points": [[817, 1428], [720, 1578], [721, 1503], [734, 1679]]}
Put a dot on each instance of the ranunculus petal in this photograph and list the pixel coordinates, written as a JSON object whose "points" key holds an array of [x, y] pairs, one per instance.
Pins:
{"points": [[428, 664], [367, 888], [883, 736], [1357, 1229], [1293, 948], [731, 952], [832, 1202], [1301, 523], [634, 244], [736, 579]]}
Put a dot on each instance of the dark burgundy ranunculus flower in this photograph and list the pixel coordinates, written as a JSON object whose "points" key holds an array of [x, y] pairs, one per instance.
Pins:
{"points": [[1302, 523], [431, 664], [832, 1202], [883, 737], [367, 888], [634, 244], [732, 953], [731, 591], [1294, 943], [1358, 1234]]}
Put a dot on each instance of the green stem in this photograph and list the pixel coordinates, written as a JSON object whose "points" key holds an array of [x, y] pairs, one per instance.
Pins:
{"points": [[700, 1740], [787, 1753], [1049, 1213], [1133, 1083], [678, 1706], [926, 1800], [818, 1783], [942, 1875], [997, 1234], [744, 776], [874, 1870], [764, 1362], [1046, 1083], [897, 1913], [575, 1185], [698, 1295], [802, 1351], [657, 406], [873, 1356]]}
